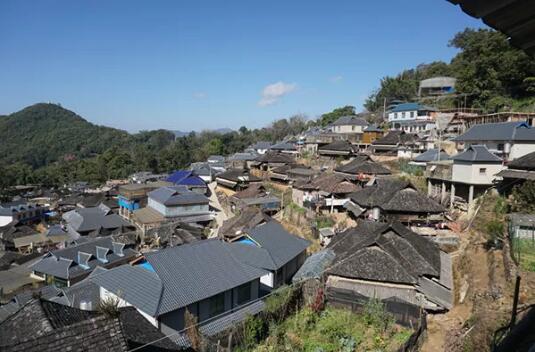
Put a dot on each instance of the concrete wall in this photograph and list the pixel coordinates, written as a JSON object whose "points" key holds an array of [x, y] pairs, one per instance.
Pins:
{"points": [[521, 149], [465, 172], [4, 220], [107, 295], [348, 129], [180, 210]]}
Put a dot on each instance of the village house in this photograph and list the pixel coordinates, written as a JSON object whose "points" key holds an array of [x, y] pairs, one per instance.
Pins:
{"points": [[10, 232], [284, 147], [173, 203], [208, 170], [241, 160], [145, 176], [338, 149], [411, 117], [328, 191], [94, 222], [67, 266], [437, 86], [394, 199], [236, 179], [237, 226], [255, 196], [349, 124], [508, 140], [362, 169], [205, 278], [270, 247], [466, 175], [40, 325], [371, 133], [21, 211], [290, 173], [517, 172], [173, 233], [260, 147], [272, 160], [396, 143], [186, 178], [386, 261], [135, 195], [54, 237]]}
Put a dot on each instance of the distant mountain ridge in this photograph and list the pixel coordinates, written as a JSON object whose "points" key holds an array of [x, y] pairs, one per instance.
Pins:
{"points": [[223, 130], [44, 133]]}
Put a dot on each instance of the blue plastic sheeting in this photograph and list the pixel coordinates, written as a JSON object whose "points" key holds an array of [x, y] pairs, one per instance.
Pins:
{"points": [[246, 241], [51, 213], [185, 178], [146, 265]]}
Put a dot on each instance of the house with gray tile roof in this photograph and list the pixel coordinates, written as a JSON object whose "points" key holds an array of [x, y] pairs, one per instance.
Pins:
{"points": [[94, 222], [509, 140], [179, 203], [204, 277], [64, 267], [270, 247], [349, 124]]}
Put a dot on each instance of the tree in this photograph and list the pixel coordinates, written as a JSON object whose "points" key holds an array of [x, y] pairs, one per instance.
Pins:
{"points": [[487, 66], [330, 117], [523, 197]]}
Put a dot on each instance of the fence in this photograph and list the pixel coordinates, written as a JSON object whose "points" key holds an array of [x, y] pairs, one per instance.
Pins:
{"points": [[522, 244]]}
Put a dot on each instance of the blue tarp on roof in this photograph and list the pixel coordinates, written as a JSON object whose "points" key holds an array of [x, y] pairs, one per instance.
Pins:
{"points": [[185, 178], [146, 265], [246, 241]]}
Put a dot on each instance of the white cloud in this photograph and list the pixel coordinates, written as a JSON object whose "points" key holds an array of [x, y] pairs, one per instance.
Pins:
{"points": [[199, 95], [275, 91], [335, 79]]}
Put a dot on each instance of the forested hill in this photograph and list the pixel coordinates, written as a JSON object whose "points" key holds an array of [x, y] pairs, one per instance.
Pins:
{"points": [[43, 133]]}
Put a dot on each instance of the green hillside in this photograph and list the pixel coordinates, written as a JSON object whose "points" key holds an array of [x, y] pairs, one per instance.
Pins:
{"points": [[43, 133]]}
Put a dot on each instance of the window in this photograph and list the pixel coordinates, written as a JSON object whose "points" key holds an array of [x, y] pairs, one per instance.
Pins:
{"points": [[403, 115], [412, 114], [217, 304], [352, 128], [500, 147], [244, 293], [396, 115], [482, 171]]}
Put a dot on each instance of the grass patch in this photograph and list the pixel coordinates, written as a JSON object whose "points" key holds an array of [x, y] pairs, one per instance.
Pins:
{"points": [[524, 251], [335, 330]]}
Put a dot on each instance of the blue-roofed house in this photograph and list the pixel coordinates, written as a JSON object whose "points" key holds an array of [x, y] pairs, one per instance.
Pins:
{"points": [[411, 117], [189, 179]]}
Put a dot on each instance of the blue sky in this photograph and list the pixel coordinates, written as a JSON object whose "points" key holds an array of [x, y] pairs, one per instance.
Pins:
{"points": [[193, 65]]}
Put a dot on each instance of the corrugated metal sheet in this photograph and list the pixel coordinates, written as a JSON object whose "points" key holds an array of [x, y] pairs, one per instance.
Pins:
{"points": [[514, 18]]}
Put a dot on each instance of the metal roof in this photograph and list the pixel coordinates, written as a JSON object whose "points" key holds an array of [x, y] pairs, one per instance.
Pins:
{"points": [[514, 18]]}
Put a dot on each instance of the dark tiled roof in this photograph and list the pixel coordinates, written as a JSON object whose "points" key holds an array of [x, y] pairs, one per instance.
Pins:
{"points": [[395, 195], [526, 162], [477, 153], [283, 146], [330, 183], [91, 219], [341, 146], [237, 175], [395, 138], [384, 252], [276, 158], [363, 164], [237, 225]]}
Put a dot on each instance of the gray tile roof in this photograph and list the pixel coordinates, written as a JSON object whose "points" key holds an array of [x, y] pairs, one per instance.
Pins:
{"points": [[350, 121], [277, 246], [431, 155], [188, 274], [140, 287], [177, 195], [63, 263], [91, 219], [477, 153], [503, 131]]}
